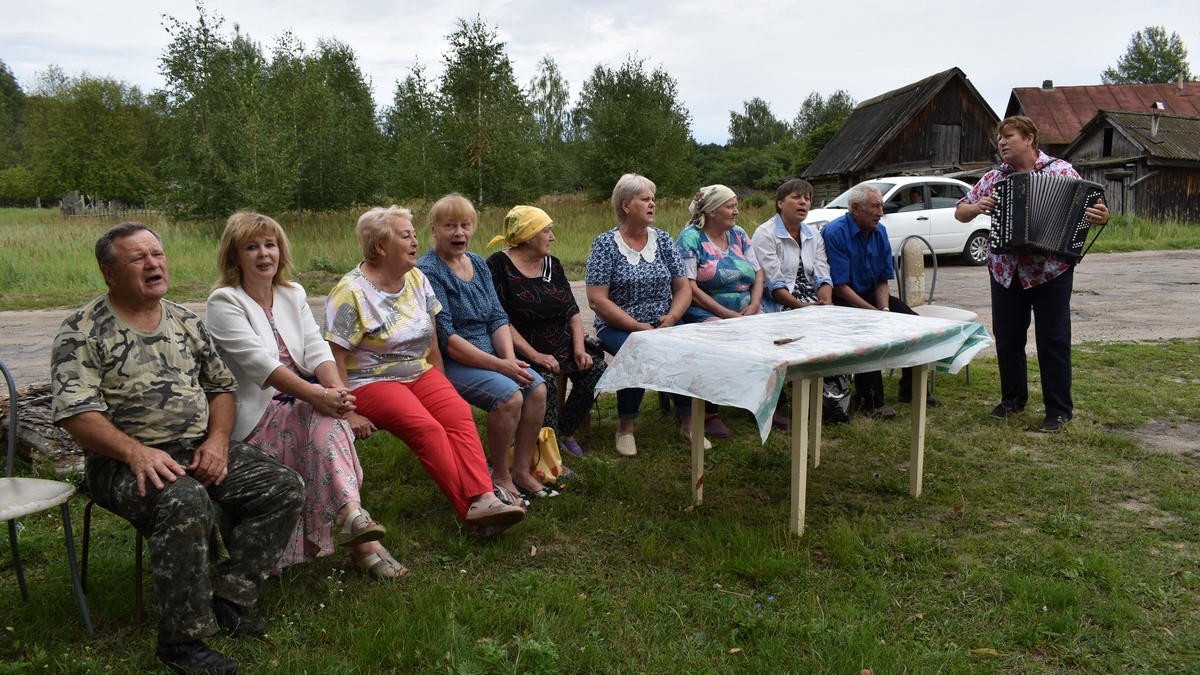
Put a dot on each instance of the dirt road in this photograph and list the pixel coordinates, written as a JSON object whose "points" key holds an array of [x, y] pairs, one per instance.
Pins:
{"points": [[1119, 297]]}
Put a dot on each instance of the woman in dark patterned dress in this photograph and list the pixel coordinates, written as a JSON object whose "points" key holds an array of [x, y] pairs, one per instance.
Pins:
{"points": [[547, 330]]}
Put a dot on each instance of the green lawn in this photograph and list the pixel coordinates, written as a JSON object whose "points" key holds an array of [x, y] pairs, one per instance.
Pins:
{"points": [[1030, 553]]}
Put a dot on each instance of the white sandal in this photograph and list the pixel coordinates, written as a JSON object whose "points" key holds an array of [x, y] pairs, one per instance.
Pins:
{"points": [[379, 565], [358, 528]]}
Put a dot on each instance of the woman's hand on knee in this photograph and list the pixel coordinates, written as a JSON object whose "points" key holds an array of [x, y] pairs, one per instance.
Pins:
{"points": [[515, 370], [362, 427]]}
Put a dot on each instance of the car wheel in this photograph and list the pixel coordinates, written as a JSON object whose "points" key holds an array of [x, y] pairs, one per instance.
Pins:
{"points": [[975, 252]]}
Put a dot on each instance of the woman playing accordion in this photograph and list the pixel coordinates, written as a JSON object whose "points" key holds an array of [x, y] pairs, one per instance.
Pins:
{"points": [[1025, 281]]}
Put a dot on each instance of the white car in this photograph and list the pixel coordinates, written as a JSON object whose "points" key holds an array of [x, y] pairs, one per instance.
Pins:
{"points": [[922, 205]]}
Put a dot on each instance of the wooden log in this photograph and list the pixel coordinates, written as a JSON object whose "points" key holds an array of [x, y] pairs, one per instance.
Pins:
{"points": [[39, 441]]}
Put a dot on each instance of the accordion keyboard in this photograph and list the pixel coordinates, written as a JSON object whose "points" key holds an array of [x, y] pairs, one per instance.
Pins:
{"points": [[1043, 212]]}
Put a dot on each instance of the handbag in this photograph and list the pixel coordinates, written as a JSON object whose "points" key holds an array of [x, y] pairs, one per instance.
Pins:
{"points": [[546, 462]]}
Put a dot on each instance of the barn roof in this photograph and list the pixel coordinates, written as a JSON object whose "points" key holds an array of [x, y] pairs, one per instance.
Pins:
{"points": [[1061, 112], [874, 123], [1176, 139]]}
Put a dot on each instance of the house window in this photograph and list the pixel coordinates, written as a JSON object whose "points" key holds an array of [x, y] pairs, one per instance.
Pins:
{"points": [[1106, 150]]}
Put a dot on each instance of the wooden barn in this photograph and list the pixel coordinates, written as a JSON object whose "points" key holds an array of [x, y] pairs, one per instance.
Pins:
{"points": [[1148, 162], [1061, 112], [940, 125]]}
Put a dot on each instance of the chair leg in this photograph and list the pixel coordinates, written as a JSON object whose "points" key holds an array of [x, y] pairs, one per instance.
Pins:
{"points": [[137, 580], [16, 554], [75, 581], [137, 564], [87, 540]]}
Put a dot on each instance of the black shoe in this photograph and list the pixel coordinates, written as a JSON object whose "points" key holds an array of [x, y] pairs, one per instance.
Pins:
{"points": [[195, 657], [1006, 410], [237, 620], [931, 401], [883, 412], [1053, 423]]}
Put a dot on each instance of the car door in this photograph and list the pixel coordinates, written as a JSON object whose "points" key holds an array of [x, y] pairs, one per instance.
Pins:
{"points": [[946, 234], [905, 213]]}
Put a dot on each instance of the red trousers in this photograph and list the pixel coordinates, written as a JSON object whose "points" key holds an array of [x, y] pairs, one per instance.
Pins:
{"points": [[436, 424]]}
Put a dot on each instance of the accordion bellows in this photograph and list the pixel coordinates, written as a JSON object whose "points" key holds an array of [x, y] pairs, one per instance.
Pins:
{"points": [[1043, 212]]}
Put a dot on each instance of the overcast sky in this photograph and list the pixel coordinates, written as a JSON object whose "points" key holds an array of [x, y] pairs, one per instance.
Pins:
{"points": [[721, 53]]}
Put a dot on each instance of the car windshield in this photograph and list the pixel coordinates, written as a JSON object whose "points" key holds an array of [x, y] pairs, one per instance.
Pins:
{"points": [[841, 201]]}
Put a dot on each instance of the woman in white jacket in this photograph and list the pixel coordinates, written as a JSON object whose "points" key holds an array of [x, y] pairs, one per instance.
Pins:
{"points": [[792, 254], [291, 400]]}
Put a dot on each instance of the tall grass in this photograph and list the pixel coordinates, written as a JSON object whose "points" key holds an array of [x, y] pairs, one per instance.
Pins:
{"points": [[46, 261]]}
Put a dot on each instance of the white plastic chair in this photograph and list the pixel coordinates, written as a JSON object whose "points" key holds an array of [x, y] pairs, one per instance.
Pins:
{"points": [[24, 496], [910, 285]]}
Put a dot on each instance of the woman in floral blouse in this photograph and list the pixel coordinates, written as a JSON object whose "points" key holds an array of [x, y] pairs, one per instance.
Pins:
{"points": [[725, 278]]}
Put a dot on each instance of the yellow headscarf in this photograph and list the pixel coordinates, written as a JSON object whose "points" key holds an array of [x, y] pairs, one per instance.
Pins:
{"points": [[520, 225]]}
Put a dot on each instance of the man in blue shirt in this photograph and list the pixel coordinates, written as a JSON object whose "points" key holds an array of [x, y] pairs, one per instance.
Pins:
{"points": [[860, 263]]}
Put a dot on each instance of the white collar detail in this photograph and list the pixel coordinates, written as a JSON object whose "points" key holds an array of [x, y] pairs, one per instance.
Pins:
{"points": [[648, 252]]}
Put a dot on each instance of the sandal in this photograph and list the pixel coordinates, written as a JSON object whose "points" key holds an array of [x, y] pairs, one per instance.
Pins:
{"points": [[358, 528], [509, 498], [379, 565], [545, 492]]}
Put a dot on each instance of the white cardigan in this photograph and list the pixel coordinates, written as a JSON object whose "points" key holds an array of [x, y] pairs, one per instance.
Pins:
{"points": [[780, 255], [247, 344]]}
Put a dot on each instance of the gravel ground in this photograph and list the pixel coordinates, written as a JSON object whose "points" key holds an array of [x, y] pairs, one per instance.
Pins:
{"points": [[1119, 297]]}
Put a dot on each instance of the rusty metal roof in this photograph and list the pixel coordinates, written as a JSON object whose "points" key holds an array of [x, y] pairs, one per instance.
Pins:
{"points": [[1177, 137], [1061, 112], [875, 122]]}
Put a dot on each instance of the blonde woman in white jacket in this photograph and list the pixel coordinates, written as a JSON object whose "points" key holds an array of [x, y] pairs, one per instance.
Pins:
{"points": [[291, 400]]}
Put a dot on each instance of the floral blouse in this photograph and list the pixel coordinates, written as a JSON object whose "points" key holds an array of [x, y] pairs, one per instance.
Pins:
{"points": [[725, 275], [1032, 269]]}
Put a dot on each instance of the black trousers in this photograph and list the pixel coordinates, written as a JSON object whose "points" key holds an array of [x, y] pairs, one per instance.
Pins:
{"points": [[868, 387], [1050, 304]]}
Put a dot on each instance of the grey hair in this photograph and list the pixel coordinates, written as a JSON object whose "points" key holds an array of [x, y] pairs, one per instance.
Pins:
{"points": [[106, 254], [627, 189], [374, 228], [860, 194]]}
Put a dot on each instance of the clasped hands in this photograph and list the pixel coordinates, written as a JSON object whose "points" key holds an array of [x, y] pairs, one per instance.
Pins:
{"points": [[334, 401]]}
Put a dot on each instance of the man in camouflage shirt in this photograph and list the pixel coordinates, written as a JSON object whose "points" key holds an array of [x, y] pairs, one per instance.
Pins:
{"points": [[137, 382]]}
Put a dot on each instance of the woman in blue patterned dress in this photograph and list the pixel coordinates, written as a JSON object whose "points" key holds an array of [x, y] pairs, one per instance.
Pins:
{"points": [[477, 348], [635, 281], [725, 278]]}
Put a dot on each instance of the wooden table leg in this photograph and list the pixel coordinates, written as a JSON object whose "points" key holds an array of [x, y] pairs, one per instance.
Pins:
{"points": [[816, 409], [697, 451], [916, 463], [801, 403]]}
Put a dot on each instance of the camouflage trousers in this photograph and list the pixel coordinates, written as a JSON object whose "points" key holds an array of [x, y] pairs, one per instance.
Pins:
{"points": [[262, 498]]}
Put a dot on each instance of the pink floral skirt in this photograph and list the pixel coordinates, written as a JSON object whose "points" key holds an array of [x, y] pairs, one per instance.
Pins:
{"points": [[321, 450]]}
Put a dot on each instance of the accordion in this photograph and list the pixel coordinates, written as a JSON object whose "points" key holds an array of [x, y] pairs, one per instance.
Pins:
{"points": [[1043, 212]]}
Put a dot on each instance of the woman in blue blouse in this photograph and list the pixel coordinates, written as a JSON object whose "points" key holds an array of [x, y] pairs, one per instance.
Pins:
{"points": [[635, 281], [477, 347]]}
